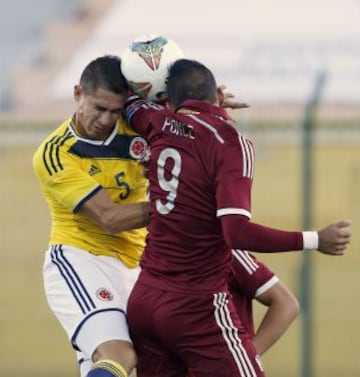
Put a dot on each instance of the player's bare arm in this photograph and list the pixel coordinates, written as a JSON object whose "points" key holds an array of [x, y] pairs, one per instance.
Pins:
{"points": [[113, 217], [283, 307]]}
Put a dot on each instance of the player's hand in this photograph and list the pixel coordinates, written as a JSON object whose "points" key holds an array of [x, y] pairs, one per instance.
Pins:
{"points": [[226, 99], [334, 238]]}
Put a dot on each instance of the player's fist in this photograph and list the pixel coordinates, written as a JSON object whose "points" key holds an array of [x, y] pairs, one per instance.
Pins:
{"points": [[334, 238]]}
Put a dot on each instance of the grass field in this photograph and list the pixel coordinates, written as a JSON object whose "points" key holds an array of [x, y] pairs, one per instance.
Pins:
{"points": [[33, 344]]}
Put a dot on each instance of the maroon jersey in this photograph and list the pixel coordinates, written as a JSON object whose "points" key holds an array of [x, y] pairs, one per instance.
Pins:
{"points": [[250, 278], [201, 168]]}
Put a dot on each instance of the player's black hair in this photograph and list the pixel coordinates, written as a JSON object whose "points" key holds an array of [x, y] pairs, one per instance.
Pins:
{"points": [[189, 79], [104, 72]]}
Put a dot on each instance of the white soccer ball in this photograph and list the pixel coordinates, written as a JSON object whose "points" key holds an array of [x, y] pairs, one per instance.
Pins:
{"points": [[145, 64]]}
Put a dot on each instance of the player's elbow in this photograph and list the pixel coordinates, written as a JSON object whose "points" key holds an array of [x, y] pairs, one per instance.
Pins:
{"points": [[290, 307], [110, 221], [116, 222], [232, 227], [107, 224], [110, 228], [293, 308], [126, 217], [286, 302]]}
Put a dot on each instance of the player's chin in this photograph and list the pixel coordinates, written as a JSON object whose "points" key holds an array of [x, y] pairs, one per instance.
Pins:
{"points": [[98, 133]]}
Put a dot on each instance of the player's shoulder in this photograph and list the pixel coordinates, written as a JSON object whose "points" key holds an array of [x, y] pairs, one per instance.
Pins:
{"points": [[225, 130], [55, 141], [247, 263], [232, 136], [231, 130], [250, 275], [228, 133], [124, 128], [59, 135]]}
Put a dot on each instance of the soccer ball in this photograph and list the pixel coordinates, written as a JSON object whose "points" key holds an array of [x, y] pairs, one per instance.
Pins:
{"points": [[145, 64]]}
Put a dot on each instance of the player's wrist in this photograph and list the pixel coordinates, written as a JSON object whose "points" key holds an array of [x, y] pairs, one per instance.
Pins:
{"points": [[131, 97], [310, 240]]}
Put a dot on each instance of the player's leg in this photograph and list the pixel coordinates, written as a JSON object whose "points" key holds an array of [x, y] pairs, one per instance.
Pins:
{"points": [[107, 368], [88, 294], [224, 332], [85, 365], [206, 333], [154, 359], [104, 337]]}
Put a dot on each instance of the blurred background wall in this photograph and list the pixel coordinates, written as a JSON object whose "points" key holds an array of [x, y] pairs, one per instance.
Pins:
{"points": [[268, 54]]}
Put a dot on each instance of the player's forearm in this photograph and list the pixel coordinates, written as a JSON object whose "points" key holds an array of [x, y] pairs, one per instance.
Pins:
{"points": [[127, 217], [283, 307], [113, 217], [138, 112], [276, 321], [273, 326], [240, 233]]}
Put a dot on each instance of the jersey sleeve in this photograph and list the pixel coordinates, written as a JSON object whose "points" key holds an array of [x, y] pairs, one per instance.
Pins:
{"points": [[234, 168], [62, 179], [138, 114], [250, 277], [234, 174]]}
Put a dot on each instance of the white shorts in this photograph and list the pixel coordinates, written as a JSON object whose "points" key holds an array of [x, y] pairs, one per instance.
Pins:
{"points": [[88, 294]]}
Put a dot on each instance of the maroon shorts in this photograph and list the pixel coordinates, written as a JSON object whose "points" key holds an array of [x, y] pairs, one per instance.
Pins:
{"points": [[176, 334]]}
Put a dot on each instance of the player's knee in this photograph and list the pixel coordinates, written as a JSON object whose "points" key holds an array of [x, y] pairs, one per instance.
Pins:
{"points": [[107, 368]]}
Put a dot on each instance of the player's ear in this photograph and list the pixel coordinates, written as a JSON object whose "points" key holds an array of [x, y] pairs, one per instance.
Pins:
{"points": [[78, 92]]}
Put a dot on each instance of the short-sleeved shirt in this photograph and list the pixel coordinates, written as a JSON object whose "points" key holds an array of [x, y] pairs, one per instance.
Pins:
{"points": [[250, 278], [201, 168], [71, 169]]}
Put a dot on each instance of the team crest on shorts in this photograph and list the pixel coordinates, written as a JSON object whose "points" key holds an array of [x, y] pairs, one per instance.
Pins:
{"points": [[138, 148], [104, 294]]}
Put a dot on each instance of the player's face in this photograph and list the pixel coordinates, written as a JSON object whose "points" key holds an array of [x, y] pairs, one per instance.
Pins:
{"points": [[97, 112]]}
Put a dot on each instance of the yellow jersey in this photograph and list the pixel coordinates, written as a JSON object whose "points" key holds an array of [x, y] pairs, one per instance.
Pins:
{"points": [[71, 169]]}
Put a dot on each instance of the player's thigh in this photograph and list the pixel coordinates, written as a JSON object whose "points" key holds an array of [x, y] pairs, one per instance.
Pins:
{"points": [[209, 337], [88, 294], [235, 360], [156, 361], [154, 358], [203, 333]]}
